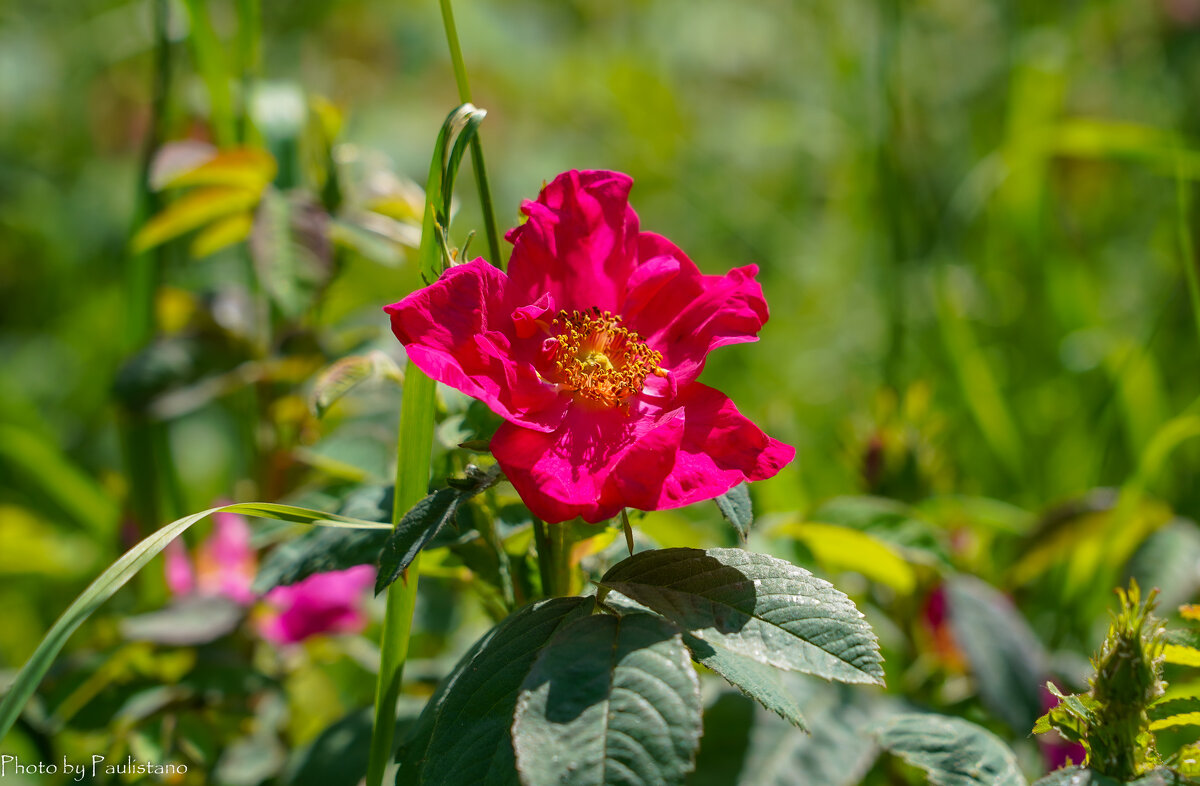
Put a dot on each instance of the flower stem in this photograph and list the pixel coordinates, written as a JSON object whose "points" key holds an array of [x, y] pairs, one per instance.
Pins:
{"points": [[481, 180], [412, 483], [560, 550]]}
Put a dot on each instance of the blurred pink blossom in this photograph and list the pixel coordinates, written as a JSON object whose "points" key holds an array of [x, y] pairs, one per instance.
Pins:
{"points": [[322, 603], [224, 566]]}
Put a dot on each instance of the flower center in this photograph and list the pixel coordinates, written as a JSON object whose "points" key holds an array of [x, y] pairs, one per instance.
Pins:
{"points": [[598, 359]]}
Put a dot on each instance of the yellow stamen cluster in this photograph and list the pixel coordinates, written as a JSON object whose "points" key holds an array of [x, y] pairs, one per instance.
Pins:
{"points": [[599, 360]]}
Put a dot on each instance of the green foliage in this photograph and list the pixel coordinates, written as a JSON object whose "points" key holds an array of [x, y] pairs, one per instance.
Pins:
{"points": [[610, 700], [952, 751], [738, 510], [1112, 721], [464, 734], [754, 606]]}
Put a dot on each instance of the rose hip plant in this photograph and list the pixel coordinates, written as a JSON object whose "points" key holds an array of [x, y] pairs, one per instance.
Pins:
{"points": [[584, 355]]}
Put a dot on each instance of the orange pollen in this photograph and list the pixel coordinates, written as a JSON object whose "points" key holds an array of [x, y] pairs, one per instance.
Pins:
{"points": [[598, 359]]}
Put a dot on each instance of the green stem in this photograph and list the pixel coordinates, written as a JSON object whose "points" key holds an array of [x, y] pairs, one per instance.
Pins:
{"points": [[412, 484], [481, 180], [249, 55], [210, 62], [1187, 251], [560, 559]]}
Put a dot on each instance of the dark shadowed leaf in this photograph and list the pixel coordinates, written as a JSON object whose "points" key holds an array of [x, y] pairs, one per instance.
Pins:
{"points": [[954, 752], [610, 700], [1169, 560], [1007, 660], [319, 551], [737, 509], [1079, 776], [423, 522], [465, 733], [756, 606]]}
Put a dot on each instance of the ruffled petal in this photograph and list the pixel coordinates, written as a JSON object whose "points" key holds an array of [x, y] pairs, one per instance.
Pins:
{"points": [[720, 449], [684, 314], [460, 331], [596, 463], [580, 242]]}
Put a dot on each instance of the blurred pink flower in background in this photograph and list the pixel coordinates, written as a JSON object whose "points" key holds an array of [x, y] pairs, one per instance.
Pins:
{"points": [[224, 566], [322, 603]]}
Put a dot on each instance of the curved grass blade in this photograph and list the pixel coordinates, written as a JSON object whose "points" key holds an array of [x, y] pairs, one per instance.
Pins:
{"points": [[121, 571]]}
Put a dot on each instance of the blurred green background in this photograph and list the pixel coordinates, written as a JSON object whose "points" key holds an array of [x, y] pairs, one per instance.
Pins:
{"points": [[974, 222]]}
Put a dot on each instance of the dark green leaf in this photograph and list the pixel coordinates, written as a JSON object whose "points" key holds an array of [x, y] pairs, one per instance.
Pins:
{"points": [[736, 508], [610, 700], [1078, 776], [954, 752], [464, 735], [756, 606], [421, 524], [1007, 661]]}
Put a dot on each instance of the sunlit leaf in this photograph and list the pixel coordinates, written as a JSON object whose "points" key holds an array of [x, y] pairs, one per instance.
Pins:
{"points": [[844, 549], [1181, 655], [222, 233], [244, 167], [192, 211], [754, 605]]}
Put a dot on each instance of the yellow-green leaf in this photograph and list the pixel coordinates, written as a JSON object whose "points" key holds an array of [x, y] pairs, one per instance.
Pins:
{"points": [[222, 233], [193, 211], [845, 549], [244, 167], [1184, 719], [1181, 655]]}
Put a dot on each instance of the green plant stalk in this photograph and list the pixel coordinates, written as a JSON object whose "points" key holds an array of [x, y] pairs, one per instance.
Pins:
{"points": [[560, 558], [144, 274], [412, 483], [1186, 249], [249, 45], [210, 62], [464, 95]]}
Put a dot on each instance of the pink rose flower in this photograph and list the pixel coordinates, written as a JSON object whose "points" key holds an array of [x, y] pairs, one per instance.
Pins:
{"points": [[225, 563], [589, 349], [322, 603]]}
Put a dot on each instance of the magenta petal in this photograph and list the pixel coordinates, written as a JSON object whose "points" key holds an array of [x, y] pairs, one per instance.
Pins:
{"points": [[684, 314], [322, 603], [180, 578], [580, 242], [720, 449], [457, 330], [226, 564], [596, 463]]}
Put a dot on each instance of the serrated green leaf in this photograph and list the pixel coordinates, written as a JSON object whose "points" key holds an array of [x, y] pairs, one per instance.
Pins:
{"points": [[756, 606], [953, 752], [292, 251], [1007, 661], [737, 509], [760, 682], [1080, 776], [119, 573], [1172, 721], [464, 734], [424, 521], [610, 700]]}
